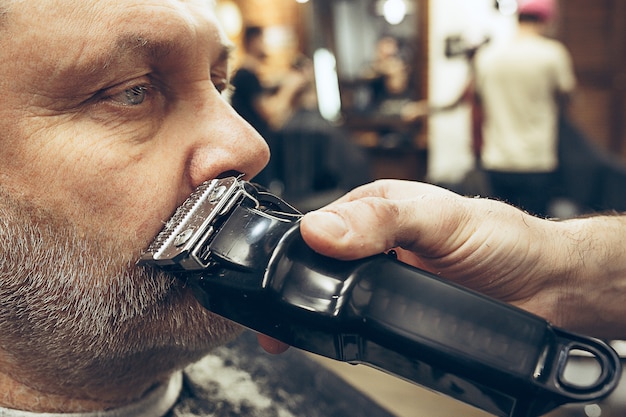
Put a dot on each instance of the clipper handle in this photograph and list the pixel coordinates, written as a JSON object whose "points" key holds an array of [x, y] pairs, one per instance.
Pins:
{"points": [[241, 250], [453, 329], [413, 324]]}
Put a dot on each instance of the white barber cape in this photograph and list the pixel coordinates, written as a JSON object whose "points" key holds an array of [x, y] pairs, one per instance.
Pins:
{"points": [[241, 380]]}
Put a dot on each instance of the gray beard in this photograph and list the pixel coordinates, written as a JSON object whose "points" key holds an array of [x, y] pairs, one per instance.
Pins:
{"points": [[78, 317]]}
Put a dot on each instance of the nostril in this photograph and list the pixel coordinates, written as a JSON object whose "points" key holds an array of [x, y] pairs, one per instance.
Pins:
{"points": [[230, 173]]}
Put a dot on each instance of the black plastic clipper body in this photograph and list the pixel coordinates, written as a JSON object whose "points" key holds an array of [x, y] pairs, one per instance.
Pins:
{"points": [[257, 271]]}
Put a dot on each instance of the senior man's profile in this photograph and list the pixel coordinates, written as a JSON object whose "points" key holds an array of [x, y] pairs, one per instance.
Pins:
{"points": [[111, 113]]}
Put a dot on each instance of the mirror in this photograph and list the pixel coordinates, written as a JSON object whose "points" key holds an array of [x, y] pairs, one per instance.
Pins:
{"points": [[380, 51]]}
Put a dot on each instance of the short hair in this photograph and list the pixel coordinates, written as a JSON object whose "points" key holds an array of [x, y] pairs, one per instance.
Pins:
{"points": [[5, 5], [250, 34], [531, 18], [538, 11]]}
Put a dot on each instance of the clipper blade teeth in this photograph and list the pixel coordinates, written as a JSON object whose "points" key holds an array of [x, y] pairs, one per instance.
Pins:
{"points": [[180, 217]]}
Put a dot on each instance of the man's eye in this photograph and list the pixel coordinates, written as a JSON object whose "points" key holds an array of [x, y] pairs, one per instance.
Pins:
{"points": [[132, 96]]}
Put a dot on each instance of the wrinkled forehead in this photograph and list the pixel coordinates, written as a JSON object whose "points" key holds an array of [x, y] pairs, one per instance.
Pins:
{"points": [[89, 11], [76, 28]]}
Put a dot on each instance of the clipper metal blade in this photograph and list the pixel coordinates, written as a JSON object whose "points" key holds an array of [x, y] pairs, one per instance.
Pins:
{"points": [[181, 242]]}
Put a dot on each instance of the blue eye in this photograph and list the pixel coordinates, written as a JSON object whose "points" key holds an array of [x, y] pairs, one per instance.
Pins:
{"points": [[135, 96]]}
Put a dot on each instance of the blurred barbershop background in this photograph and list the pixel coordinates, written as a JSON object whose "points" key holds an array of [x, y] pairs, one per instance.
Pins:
{"points": [[348, 91]]}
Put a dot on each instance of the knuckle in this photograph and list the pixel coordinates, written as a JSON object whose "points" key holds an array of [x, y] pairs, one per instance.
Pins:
{"points": [[376, 219]]}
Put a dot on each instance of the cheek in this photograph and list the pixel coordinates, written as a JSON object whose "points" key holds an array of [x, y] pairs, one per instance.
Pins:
{"points": [[108, 187], [127, 198]]}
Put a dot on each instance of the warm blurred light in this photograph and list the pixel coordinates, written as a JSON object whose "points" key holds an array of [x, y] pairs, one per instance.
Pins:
{"points": [[394, 11], [302, 1], [230, 17], [593, 410], [327, 84]]}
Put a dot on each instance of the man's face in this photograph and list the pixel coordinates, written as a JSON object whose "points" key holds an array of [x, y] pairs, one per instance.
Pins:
{"points": [[111, 112], [257, 47]]}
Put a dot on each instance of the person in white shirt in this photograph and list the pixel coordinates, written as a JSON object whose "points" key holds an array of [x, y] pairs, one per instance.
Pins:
{"points": [[523, 84]]}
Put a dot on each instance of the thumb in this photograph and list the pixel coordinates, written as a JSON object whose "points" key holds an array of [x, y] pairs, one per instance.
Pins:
{"points": [[354, 229], [424, 220]]}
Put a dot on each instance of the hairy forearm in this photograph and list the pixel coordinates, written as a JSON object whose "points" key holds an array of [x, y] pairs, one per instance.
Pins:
{"points": [[592, 295]]}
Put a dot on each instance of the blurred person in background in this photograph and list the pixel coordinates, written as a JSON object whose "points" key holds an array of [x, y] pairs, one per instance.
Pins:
{"points": [[389, 79], [388, 74], [318, 162], [266, 109], [522, 85]]}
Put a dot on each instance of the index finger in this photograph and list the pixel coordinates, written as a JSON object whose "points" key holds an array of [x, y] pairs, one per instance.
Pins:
{"points": [[391, 189]]}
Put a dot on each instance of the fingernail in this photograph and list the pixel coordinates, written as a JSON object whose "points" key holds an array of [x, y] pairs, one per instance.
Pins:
{"points": [[329, 223]]}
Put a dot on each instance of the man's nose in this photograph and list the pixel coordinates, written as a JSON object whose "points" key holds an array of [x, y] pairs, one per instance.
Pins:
{"points": [[228, 145]]}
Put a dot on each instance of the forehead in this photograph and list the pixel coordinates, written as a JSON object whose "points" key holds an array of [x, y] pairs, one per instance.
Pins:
{"points": [[80, 26], [39, 11]]}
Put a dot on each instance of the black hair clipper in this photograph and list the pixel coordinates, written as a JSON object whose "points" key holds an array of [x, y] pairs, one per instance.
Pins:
{"points": [[240, 249]]}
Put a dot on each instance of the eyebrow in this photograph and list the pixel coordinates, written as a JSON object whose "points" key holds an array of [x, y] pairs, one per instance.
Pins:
{"points": [[88, 70], [156, 50], [136, 44]]}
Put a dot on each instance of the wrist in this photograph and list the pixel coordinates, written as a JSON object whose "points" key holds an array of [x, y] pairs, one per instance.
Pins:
{"points": [[591, 276]]}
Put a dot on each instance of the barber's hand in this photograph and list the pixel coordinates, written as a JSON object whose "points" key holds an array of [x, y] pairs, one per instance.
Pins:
{"points": [[483, 244], [573, 273]]}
